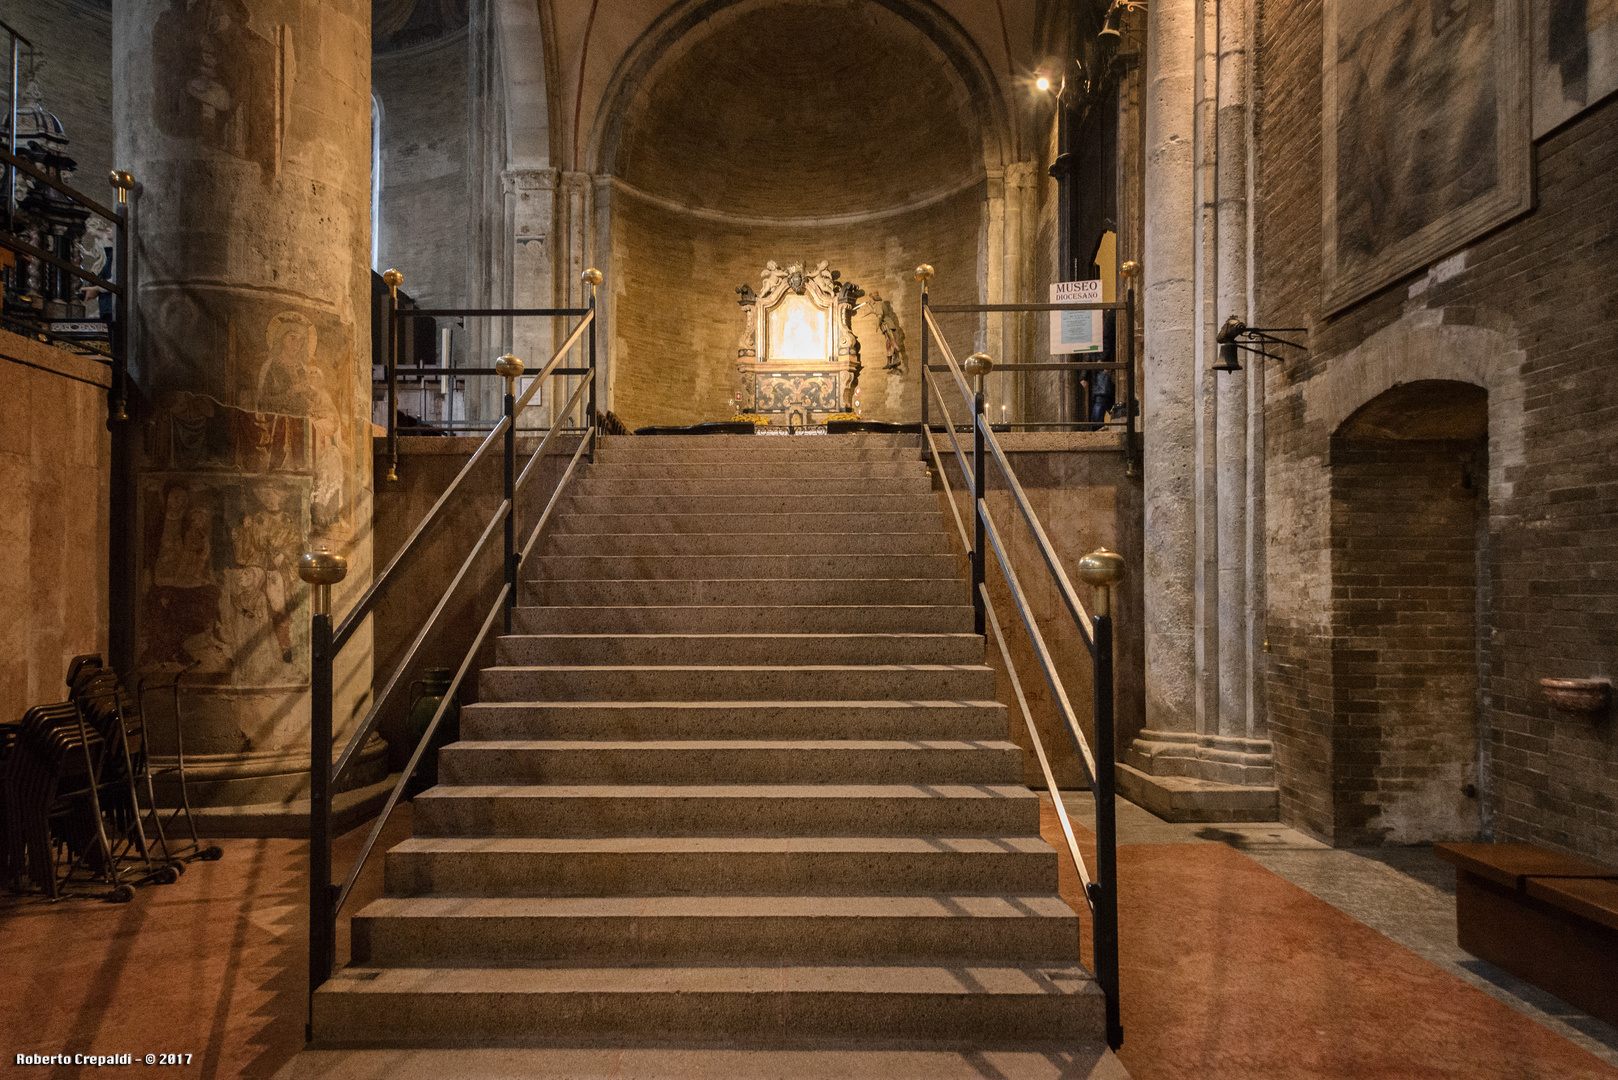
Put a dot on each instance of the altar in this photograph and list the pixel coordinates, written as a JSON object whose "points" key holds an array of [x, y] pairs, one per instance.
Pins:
{"points": [[798, 358]]}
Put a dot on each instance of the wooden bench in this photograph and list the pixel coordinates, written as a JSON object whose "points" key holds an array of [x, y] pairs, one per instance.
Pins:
{"points": [[1548, 918]]}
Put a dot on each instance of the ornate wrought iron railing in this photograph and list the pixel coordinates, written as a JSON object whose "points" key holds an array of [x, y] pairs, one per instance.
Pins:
{"points": [[322, 569], [1102, 569]]}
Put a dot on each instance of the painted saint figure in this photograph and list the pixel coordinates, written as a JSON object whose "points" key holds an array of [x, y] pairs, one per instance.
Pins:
{"points": [[893, 335]]}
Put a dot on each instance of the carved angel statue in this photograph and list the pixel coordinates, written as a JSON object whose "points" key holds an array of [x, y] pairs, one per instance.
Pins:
{"points": [[772, 280]]}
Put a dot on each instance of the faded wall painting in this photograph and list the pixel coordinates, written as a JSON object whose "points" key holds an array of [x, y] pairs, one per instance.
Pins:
{"points": [[1575, 58], [1426, 140]]}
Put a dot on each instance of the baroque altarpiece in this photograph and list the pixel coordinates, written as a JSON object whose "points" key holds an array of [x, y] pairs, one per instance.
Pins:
{"points": [[799, 358]]}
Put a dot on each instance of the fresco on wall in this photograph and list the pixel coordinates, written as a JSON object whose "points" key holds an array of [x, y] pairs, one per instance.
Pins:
{"points": [[221, 88], [232, 493], [1426, 133], [1575, 58], [220, 567]]}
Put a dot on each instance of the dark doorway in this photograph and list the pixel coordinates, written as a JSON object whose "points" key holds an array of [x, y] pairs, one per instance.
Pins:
{"points": [[1409, 483]]}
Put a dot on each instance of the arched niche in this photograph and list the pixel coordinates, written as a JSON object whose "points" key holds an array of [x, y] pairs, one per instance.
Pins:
{"points": [[1409, 591], [799, 131]]}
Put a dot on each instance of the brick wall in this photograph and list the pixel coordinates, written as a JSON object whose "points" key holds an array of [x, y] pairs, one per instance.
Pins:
{"points": [[676, 321], [1404, 541], [1527, 312]]}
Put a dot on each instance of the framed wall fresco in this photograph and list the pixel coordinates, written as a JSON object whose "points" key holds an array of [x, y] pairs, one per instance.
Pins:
{"points": [[1426, 133], [1575, 58]]}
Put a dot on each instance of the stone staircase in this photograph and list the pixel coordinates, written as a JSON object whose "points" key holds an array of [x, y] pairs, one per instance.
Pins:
{"points": [[738, 785]]}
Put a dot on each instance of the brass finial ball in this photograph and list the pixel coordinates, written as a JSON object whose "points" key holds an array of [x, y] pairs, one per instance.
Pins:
{"points": [[121, 180], [591, 276], [978, 365], [508, 366], [1130, 269], [924, 272], [392, 278], [1101, 568], [322, 567]]}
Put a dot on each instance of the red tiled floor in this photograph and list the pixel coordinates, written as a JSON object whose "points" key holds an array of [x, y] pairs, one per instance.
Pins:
{"points": [[214, 966], [1229, 973]]}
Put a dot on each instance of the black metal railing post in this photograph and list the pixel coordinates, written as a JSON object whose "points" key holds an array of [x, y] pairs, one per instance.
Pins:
{"points": [[924, 274], [321, 569], [121, 444], [393, 279], [509, 368], [1130, 270], [592, 278], [1104, 570], [978, 367]]}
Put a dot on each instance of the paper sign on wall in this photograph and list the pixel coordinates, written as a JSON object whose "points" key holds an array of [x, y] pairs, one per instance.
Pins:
{"points": [[1076, 331]]}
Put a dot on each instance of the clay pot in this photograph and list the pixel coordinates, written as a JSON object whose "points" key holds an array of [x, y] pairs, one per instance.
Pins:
{"points": [[1578, 695]]}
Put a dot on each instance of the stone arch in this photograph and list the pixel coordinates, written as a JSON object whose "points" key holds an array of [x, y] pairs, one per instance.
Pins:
{"points": [[1421, 347], [690, 20]]}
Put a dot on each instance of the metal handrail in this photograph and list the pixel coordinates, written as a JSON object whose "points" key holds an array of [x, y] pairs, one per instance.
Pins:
{"points": [[323, 570], [396, 678], [1039, 752], [1016, 683], [1042, 652], [1099, 568], [949, 429], [1075, 606], [362, 608], [367, 601]]}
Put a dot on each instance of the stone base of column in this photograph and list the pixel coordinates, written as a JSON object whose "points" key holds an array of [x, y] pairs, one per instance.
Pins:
{"points": [[1182, 776], [257, 795]]}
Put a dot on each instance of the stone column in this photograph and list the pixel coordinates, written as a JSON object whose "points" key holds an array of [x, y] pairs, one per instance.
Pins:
{"points": [[1170, 369], [530, 210], [1197, 757], [247, 124]]}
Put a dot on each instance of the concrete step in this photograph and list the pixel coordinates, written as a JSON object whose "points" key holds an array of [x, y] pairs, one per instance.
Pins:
{"points": [[804, 443], [1018, 864], [751, 619], [646, 592], [773, 503], [971, 720], [798, 543], [1072, 1058], [697, 649], [839, 487], [740, 761], [858, 563], [481, 1006], [909, 465], [764, 452], [434, 931], [842, 521], [757, 683], [819, 810]]}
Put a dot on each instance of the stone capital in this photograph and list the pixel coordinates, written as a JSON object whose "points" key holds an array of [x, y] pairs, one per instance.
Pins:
{"points": [[514, 180]]}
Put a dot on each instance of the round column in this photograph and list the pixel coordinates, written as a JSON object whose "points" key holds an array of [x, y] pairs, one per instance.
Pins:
{"points": [[247, 125]]}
